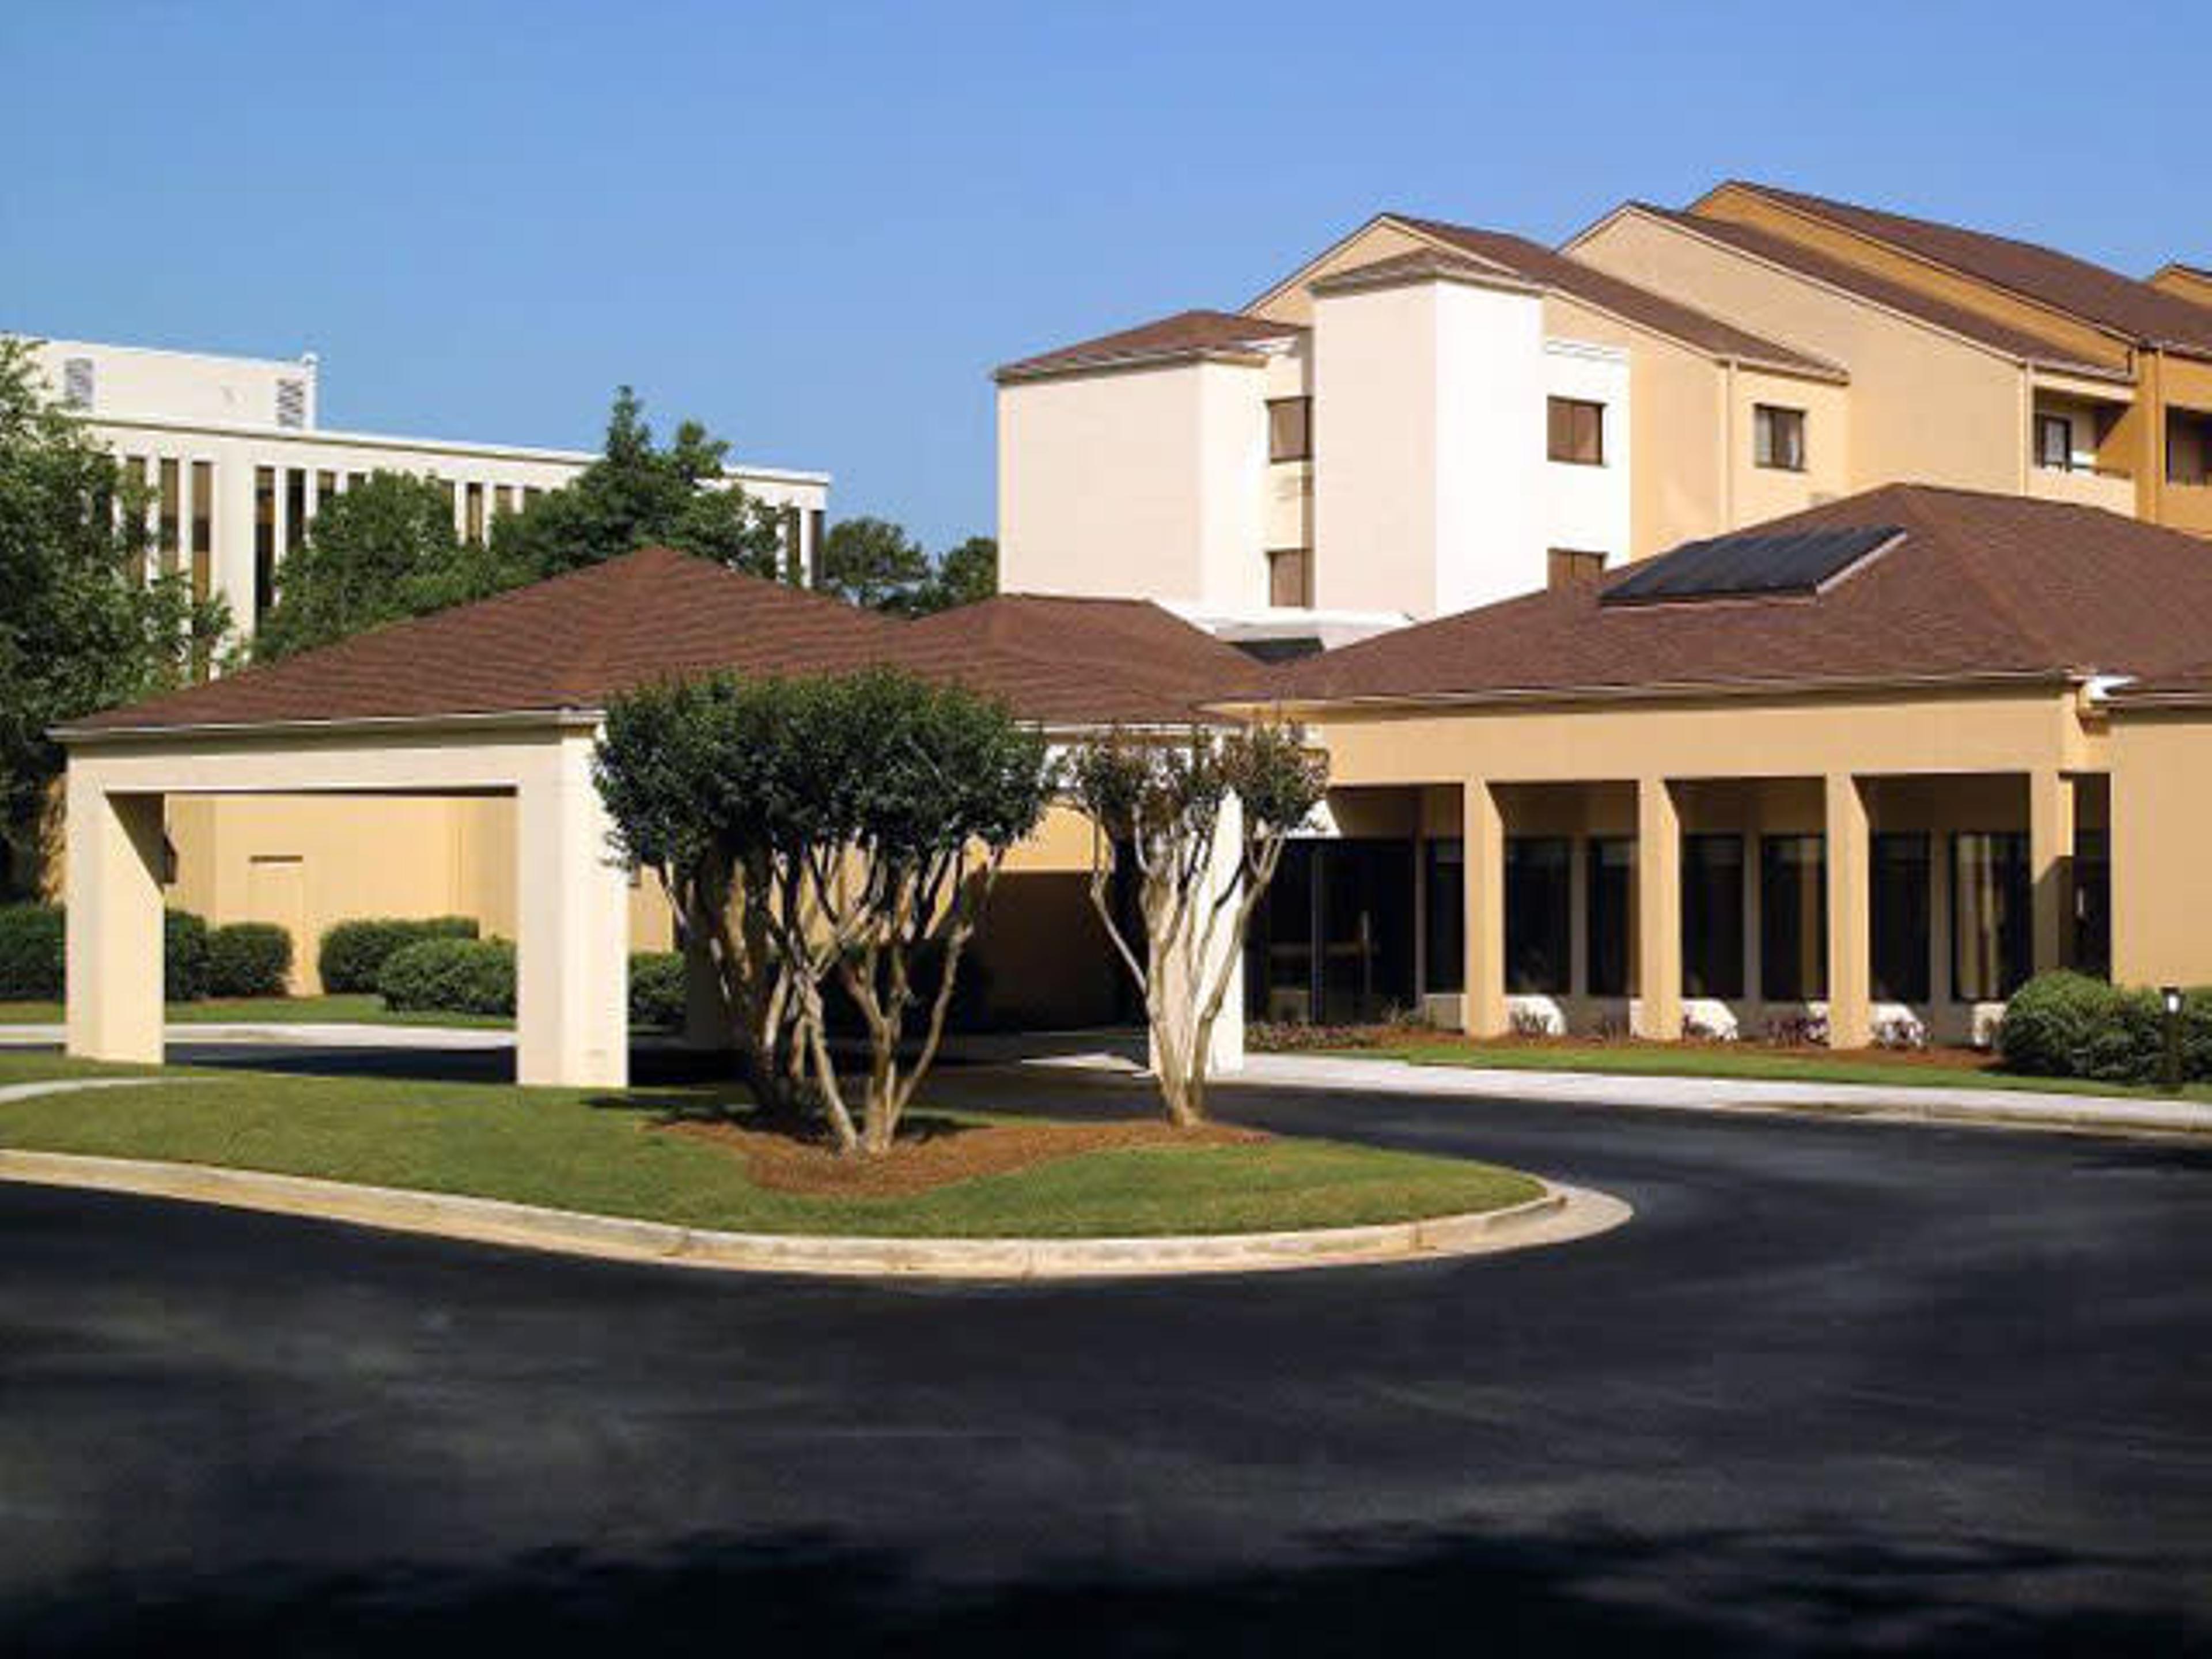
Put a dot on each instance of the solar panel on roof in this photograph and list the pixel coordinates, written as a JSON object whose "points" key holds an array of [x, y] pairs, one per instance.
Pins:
{"points": [[1741, 567]]}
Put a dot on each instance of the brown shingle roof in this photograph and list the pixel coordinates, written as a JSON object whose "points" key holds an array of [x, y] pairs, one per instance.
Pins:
{"points": [[572, 642], [1190, 333], [1981, 586], [1534, 263], [2091, 292]]}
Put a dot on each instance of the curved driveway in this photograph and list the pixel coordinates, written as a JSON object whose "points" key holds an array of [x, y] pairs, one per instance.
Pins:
{"points": [[1839, 1387]]}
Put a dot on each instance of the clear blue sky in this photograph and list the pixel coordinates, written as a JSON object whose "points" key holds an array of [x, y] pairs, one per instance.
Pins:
{"points": [[818, 226]]}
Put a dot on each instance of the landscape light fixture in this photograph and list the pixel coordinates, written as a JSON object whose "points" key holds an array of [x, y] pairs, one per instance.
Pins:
{"points": [[2169, 1074]]}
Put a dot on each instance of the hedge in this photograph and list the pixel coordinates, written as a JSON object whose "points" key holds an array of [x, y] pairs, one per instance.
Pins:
{"points": [[249, 959], [184, 956], [352, 953], [31, 953], [656, 989], [450, 975], [2067, 1024]]}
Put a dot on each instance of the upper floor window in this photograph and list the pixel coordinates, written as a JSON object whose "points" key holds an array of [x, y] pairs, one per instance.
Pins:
{"points": [[1576, 431], [1290, 428], [2054, 442], [76, 383], [1289, 577], [1777, 437]]}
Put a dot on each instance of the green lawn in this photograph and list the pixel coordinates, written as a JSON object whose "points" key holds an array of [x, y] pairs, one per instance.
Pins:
{"points": [[608, 1155], [364, 1009], [1721, 1060]]}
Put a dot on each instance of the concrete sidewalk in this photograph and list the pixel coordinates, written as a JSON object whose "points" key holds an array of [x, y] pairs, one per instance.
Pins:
{"points": [[1705, 1094]]}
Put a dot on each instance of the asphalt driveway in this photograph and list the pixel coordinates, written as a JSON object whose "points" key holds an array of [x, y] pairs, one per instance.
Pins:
{"points": [[1838, 1387]]}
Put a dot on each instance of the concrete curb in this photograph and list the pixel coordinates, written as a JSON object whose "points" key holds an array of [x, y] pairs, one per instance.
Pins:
{"points": [[1561, 1214]]}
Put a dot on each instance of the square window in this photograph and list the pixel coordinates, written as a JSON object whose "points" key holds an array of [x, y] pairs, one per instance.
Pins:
{"points": [[1777, 437], [1576, 431]]}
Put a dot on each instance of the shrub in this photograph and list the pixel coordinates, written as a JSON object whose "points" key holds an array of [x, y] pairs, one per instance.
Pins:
{"points": [[656, 989], [352, 953], [249, 959], [450, 975], [32, 953], [184, 956], [2051, 1022]]}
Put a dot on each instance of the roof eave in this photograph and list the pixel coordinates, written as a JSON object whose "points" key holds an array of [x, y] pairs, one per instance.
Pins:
{"points": [[561, 718], [1119, 362]]}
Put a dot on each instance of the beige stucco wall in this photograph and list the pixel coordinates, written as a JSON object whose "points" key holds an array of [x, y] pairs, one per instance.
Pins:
{"points": [[1922, 406], [1291, 302], [1148, 481], [2161, 811]]}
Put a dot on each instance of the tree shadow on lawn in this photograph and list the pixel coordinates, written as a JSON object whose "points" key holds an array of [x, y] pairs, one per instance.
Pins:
{"points": [[1586, 1587]]}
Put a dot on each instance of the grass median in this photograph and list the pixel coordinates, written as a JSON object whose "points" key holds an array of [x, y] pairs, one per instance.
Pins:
{"points": [[678, 1156]]}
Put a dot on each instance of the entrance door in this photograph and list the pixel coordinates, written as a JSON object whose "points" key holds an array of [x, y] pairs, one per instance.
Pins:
{"points": [[277, 891]]}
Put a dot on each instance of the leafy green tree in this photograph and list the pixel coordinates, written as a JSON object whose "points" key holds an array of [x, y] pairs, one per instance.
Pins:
{"points": [[82, 626], [638, 495], [1204, 820], [873, 563], [836, 827], [964, 574], [383, 550]]}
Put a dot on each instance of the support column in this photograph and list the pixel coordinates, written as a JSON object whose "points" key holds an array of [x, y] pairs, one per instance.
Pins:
{"points": [[1483, 873], [1658, 912], [112, 886], [2050, 866], [572, 1025], [1850, 926]]}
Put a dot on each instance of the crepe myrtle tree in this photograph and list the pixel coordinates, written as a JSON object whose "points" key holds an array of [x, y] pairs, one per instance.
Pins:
{"points": [[1203, 818], [829, 829]]}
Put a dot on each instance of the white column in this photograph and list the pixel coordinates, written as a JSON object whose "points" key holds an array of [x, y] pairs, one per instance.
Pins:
{"points": [[1850, 938], [1482, 872], [112, 885], [572, 990], [1658, 912]]}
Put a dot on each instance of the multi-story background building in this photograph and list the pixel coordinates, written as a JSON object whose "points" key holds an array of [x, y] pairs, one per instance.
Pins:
{"points": [[237, 465], [1425, 416]]}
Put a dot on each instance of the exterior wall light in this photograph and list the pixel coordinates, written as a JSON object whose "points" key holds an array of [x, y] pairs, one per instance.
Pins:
{"points": [[2169, 1074]]}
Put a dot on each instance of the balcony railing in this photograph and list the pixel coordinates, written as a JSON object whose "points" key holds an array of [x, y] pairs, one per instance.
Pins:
{"points": [[2106, 487]]}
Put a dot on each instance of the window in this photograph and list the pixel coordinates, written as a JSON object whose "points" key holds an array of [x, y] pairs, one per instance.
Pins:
{"points": [[292, 403], [1290, 428], [1289, 577], [1793, 918], [2054, 442], [1777, 437], [1576, 431], [1443, 904], [1712, 915], [1566, 568], [792, 550], [202, 527], [2188, 448], [2093, 902], [1609, 865], [264, 540], [171, 511], [326, 489], [1899, 901], [817, 522], [295, 509], [1992, 937], [356, 480], [76, 383], [1537, 920], [474, 527], [134, 513]]}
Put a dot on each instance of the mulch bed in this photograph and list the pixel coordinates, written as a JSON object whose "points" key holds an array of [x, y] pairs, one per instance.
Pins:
{"points": [[938, 1152]]}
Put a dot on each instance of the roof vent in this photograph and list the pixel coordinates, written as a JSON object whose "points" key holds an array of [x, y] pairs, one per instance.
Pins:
{"points": [[1795, 564], [292, 403], [76, 383]]}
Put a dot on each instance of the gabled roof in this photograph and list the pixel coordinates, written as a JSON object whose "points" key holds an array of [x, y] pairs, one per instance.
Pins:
{"points": [[1978, 587], [571, 643], [1188, 334], [2115, 302], [1084, 660], [2024, 345], [1534, 263]]}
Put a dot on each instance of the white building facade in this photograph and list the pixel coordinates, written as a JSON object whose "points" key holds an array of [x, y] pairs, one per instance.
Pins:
{"points": [[237, 465]]}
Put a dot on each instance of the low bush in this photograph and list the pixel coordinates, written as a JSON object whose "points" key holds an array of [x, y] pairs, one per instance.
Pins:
{"points": [[450, 975], [656, 989], [32, 953], [2067, 1024], [249, 959], [184, 956], [353, 954]]}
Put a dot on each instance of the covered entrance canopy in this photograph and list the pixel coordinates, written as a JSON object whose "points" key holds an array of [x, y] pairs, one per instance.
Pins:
{"points": [[504, 698]]}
